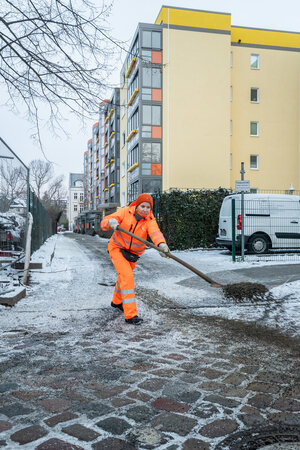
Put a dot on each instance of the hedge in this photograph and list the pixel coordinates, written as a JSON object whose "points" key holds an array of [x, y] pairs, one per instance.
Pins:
{"points": [[189, 219]]}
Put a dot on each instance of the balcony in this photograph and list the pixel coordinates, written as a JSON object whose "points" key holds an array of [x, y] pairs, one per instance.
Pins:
{"points": [[130, 136], [135, 93], [111, 185], [111, 134], [130, 67], [106, 144]]}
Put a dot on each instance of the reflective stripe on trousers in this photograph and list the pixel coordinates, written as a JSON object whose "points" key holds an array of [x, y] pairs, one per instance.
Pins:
{"points": [[124, 290]]}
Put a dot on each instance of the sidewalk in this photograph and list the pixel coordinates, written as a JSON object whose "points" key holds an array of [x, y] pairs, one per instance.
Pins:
{"points": [[74, 375]]}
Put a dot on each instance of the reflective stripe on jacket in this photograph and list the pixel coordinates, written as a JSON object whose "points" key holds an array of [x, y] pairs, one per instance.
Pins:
{"points": [[142, 228]]}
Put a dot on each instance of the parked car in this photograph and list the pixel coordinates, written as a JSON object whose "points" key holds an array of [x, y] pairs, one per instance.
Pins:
{"points": [[270, 221]]}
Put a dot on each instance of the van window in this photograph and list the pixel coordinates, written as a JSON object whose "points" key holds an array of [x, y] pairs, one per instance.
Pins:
{"points": [[226, 207]]}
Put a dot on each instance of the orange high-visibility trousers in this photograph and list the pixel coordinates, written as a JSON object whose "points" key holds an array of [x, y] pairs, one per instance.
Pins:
{"points": [[124, 292]]}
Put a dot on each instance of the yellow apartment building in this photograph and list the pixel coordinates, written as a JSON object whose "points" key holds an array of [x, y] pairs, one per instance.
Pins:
{"points": [[200, 96]]}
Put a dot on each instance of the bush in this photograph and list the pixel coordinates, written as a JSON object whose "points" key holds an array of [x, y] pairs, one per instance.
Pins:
{"points": [[189, 219]]}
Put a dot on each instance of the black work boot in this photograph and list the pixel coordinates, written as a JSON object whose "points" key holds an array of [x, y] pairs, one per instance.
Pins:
{"points": [[119, 306], [134, 320]]}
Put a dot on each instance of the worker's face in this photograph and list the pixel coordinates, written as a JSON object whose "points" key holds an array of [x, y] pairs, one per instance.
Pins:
{"points": [[144, 208]]}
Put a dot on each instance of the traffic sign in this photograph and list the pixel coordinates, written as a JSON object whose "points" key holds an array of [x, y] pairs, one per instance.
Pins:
{"points": [[242, 185]]}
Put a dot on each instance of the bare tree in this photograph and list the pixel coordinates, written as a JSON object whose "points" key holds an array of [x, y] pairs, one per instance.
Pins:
{"points": [[57, 52], [54, 198], [41, 172], [12, 185]]}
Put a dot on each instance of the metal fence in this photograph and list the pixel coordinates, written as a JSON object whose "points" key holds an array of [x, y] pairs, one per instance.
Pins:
{"points": [[270, 223], [43, 227], [14, 188], [16, 200]]}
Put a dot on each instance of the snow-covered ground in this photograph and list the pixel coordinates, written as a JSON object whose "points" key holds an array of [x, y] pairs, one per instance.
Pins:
{"points": [[68, 286]]}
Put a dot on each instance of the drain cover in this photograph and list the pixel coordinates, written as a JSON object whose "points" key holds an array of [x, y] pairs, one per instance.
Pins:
{"points": [[283, 437]]}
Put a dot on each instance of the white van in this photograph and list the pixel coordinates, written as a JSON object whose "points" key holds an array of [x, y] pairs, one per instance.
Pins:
{"points": [[270, 221]]}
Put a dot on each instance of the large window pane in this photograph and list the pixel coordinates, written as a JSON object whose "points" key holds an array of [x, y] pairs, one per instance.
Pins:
{"points": [[147, 39], [156, 78], [156, 150], [146, 77], [156, 38], [146, 152], [147, 114], [156, 115]]}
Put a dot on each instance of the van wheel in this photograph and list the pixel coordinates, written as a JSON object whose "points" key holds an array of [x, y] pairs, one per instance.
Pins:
{"points": [[259, 243]]}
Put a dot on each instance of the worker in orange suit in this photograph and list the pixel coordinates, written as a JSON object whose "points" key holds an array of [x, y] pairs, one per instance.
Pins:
{"points": [[124, 251]]}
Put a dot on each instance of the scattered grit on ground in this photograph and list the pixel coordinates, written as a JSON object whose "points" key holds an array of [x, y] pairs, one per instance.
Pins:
{"points": [[179, 381]]}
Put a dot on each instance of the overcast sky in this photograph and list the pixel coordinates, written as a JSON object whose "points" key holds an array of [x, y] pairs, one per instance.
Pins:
{"points": [[67, 154]]}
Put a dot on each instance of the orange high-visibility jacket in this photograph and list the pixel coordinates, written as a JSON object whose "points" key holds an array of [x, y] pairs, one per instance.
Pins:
{"points": [[125, 217]]}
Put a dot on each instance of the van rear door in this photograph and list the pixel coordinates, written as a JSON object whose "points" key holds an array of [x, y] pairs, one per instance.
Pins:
{"points": [[225, 227]]}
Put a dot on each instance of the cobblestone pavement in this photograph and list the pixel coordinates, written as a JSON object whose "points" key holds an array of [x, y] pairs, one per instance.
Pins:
{"points": [[179, 381]]}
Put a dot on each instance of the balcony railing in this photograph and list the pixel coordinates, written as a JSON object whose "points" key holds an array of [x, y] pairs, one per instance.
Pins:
{"points": [[133, 167], [135, 93], [130, 136], [130, 67]]}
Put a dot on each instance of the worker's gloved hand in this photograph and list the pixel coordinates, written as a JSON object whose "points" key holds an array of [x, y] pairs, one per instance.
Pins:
{"points": [[165, 250], [113, 224]]}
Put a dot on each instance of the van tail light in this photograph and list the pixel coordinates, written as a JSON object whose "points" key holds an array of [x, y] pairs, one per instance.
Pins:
{"points": [[239, 222]]}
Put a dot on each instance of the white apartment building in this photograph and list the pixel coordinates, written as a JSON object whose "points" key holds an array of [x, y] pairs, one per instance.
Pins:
{"points": [[76, 197]]}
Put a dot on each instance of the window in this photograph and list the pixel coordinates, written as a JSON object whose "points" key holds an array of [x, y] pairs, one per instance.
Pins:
{"points": [[147, 55], [253, 190], [254, 128], [151, 114], [133, 86], [123, 108], [230, 161], [133, 191], [123, 139], [152, 77], [151, 152], [254, 95], [75, 195], [133, 122], [253, 161], [230, 93], [254, 61], [81, 196], [150, 186], [75, 207], [147, 94], [133, 156], [151, 39], [123, 169], [231, 128], [146, 131], [231, 59], [81, 208]]}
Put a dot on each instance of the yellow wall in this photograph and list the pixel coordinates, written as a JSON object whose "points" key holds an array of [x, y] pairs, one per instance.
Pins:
{"points": [[277, 113], [196, 109]]}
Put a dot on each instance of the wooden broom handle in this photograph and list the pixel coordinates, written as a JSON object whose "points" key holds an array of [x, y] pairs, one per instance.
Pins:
{"points": [[188, 266]]}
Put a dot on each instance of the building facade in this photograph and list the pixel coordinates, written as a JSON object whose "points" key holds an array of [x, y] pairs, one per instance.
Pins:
{"points": [[76, 198], [198, 96]]}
